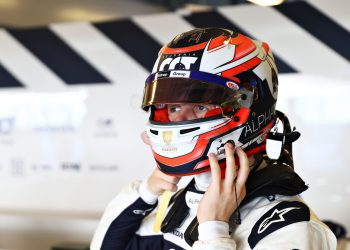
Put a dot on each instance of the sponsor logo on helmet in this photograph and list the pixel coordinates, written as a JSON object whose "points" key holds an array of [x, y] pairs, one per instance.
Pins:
{"points": [[263, 136], [167, 137], [184, 74], [161, 75], [169, 149], [181, 62], [259, 139], [232, 85], [258, 122], [220, 150]]}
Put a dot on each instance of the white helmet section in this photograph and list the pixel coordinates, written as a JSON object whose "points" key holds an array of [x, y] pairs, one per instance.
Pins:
{"points": [[264, 70], [212, 59], [216, 57], [174, 141]]}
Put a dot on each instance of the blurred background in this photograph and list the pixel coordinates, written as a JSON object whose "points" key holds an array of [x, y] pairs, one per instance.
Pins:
{"points": [[71, 83]]}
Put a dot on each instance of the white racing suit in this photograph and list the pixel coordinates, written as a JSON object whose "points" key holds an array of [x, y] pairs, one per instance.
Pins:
{"points": [[267, 222]]}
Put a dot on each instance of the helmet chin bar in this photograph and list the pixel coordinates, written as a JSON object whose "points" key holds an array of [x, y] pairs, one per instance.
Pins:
{"points": [[287, 138]]}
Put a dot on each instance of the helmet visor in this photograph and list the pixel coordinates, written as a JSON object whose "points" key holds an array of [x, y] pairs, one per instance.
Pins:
{"points": [[188, 90]]}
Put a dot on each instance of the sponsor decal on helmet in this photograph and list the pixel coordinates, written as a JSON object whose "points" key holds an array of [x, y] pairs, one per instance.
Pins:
{"points": [[161, 75], [184, 74], [259, 139], [258, 122], [169, 149], [167, 137], [263, 136], [181, 62], [232, 85]]}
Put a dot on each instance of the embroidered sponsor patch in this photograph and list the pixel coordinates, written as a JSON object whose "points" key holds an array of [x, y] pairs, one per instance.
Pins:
{"points": [[193, 199], [281, 215]]}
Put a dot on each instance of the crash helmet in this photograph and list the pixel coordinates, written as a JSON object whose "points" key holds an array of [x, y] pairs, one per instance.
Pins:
{"points": [[210, 66]]}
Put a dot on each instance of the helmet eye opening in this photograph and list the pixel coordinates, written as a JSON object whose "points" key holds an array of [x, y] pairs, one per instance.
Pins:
{"points": [[193, 121]]}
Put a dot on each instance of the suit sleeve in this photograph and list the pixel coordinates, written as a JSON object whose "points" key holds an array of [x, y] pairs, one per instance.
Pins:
{"points": [[291, 225], [123, 217], [214, 235], [301, 235]]}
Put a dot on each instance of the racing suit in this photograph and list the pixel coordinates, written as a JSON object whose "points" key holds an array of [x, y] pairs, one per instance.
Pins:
{"points": [[270, 219]]}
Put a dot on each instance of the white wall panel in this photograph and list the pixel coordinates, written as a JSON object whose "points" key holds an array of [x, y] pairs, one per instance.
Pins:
{"points": [[28, 69], [163, 27], [337, 10], [296, 46]]}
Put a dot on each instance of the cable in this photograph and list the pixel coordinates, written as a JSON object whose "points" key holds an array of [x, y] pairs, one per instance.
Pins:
{"points": [[238, 217]]}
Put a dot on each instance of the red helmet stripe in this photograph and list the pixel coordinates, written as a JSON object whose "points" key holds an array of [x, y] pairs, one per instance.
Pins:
{"points": [[197, 152], [244, 46], [241, 68], [266, 47], [217, 42]]}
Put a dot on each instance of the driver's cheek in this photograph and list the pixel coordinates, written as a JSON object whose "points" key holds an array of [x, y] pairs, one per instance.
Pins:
{"points": [[183, 115], [200, 114]]}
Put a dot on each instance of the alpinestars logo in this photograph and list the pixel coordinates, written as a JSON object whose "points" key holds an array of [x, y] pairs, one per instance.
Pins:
{"points": [[143, 212], [275, 217]]}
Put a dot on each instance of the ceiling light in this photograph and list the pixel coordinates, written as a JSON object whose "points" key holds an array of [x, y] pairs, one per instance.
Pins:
{"points": [[266, 2], [9, 4]]}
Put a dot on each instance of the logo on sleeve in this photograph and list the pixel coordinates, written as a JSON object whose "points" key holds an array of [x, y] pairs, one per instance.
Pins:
{"points": [[283, 214], [143, 212], [277, 216]]}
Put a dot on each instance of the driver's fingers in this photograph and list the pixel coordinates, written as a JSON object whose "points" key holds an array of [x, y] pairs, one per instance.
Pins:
{"points": [[215, 170], [230, 172], [243, 168]]}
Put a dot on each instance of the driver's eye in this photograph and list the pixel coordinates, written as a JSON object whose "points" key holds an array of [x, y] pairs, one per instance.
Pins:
{"points": [[201, 108], [173, 109]]}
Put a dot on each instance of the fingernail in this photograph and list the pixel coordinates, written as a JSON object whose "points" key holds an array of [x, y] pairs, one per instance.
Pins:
{"points": [[211, 154]]}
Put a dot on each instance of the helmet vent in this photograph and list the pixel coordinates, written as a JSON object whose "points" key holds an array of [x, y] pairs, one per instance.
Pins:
{"points": [[155, 132], [188, 130]]}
